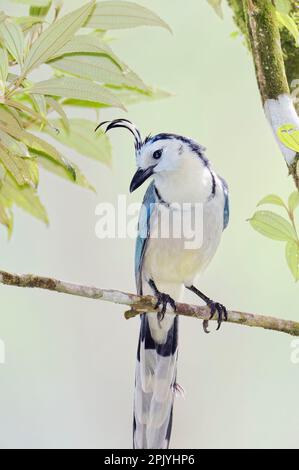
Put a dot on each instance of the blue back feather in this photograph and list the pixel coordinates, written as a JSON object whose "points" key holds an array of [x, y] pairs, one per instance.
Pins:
{"points": [[143, 232], [226, 203]]}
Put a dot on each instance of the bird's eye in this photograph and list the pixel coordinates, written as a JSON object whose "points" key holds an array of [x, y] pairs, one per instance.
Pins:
{"points": [[157, 154]]}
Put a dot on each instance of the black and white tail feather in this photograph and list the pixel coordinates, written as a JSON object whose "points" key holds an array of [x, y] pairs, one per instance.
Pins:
{"points": [[155, 386]]}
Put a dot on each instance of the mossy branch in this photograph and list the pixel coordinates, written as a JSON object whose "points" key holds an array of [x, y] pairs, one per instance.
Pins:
{"points": [[139, 304], [289, 48], [266, 49], [274, 66]]}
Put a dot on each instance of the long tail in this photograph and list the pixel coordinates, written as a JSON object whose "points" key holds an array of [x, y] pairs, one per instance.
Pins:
{"points": [[155, 381]]}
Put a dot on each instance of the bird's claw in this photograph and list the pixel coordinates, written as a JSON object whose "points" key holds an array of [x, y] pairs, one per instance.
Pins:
{"points": [[221, 311], [163, 300], [205, 325]]}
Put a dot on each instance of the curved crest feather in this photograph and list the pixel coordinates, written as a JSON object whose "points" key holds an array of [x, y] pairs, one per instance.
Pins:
{"points": [[126, 124]]}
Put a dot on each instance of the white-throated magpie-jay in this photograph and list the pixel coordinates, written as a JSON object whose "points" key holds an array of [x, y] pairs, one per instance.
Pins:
{"points": [[183, 180]]}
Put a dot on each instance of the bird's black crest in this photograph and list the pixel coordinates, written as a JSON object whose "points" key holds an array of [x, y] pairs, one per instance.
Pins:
{"points": [[126, 124]]}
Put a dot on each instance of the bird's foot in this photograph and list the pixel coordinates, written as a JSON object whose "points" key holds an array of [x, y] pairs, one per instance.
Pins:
{"points": [[215, 307], [162, 301]]}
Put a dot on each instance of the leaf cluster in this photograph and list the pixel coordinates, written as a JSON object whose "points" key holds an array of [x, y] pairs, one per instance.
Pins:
{"points": [[82, 71], [284, 229]]}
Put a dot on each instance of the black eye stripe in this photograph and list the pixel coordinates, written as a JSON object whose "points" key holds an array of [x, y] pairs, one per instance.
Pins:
{"points": [[157, 154]]}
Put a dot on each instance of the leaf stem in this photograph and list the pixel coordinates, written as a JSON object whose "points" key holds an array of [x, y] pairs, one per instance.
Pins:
{"points": [[292, 219], [14, 86]]}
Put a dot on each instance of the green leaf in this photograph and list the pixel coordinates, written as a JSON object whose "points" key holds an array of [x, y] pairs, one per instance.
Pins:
{"points": [[12, 145], [56, 106], [26, 22], [273, 226], [130, 96], [82, 103], [288, 134], [272, 199], [35, 142], [38, 101], [83, 139], [24, 197], [292, 257], [78, 88], [55, 37], [235, 34], [293, 202], [19, 105], [51, 166], [8, 118], [6, 216], [12, 77], [40, 104], [216, 4], [283, 6], [16, 116], [13, 39], [24, 170], [289, 23], [3, 69], [121, 15], [87, 43], [36, 3], [99, 68], [40, 11]]}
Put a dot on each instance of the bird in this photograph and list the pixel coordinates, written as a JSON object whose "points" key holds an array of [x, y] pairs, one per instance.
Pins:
{"points": [[182, 180]]}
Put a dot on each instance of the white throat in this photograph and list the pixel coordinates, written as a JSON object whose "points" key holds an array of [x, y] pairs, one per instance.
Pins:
{"points": [[191, 182]]}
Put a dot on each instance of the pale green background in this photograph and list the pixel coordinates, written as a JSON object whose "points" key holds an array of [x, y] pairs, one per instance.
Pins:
{"points": [[69, 372]]}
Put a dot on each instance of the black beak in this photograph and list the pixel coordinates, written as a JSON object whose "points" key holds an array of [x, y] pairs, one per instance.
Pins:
{"points": [[140, 177]]}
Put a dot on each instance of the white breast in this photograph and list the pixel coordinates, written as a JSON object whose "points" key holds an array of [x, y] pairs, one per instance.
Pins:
{"points": [[170, 257]]}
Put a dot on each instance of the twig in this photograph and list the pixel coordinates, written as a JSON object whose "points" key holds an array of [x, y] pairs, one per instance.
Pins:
{"points": [[139, 304]]}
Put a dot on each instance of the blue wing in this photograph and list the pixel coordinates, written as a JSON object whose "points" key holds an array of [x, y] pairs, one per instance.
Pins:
{"points": [[226, 203], [143, 232]]}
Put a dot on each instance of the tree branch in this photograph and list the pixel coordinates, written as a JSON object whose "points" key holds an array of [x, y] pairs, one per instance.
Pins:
{"points": [[266, 48], [139, 304], [258, 22]]}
